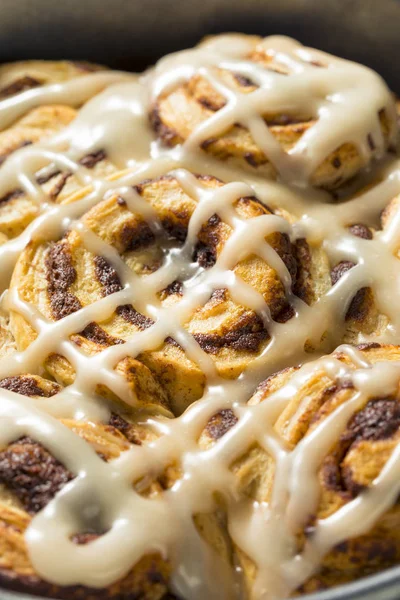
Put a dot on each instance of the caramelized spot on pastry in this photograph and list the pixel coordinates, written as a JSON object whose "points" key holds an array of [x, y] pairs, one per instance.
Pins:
{"points": [[20, 85], [331, 475], [302, 286], [131, 315], [340, 269], [204, 255], [60, 184], [358, 309], [378, 420], [359, 305], [220, 423], [175, 287], [137, 236], [32, 473], [285, 314], [243, 80], [368, 346], [251, 159], [247, 334], [361, 231], [107, 276], [11, 195], [286, 253], [167, 134], [90, 160], [61, 274], [176, 231], [127, 429], [94, 333], [28, 386]]}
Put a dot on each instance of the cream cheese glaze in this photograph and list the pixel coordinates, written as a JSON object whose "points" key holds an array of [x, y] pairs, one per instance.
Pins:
{"points": [[345, 100]]}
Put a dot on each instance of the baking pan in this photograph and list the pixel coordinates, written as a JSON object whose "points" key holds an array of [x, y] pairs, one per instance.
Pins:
{"points": [[131, 34]]}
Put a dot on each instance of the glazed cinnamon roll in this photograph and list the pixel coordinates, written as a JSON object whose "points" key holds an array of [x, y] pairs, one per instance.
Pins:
{"points": [[360, 448], [37, 121], [229, 333], [199, 326], [43, 121], [30, 476], [26, 75], [17, 210], [229, 82]]}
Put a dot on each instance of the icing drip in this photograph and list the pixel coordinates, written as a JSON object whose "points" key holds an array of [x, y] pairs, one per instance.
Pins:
{"points": [[345, 100]]}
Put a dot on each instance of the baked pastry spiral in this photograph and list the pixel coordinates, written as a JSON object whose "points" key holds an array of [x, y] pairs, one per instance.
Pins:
{"points": [[183, 107], [26, 75], [36, 124], [31, 476], [364, 444], [60, 278], [199, 333]]}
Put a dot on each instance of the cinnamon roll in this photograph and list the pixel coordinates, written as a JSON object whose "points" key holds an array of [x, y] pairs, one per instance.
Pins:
{"points": [[360, 448], [30, 476], [227, 86], [17, 210], [62, 277], [26, 75], [36, 123], [43, 121]]}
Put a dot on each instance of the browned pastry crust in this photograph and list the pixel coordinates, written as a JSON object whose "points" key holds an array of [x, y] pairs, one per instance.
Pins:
{"points": [[230, 333], [17, 210], [176, 113], [30, 477], [350, 466]]}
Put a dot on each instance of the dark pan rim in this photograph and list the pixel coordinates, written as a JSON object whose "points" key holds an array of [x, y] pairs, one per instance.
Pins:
{"points": [[382, 586]]}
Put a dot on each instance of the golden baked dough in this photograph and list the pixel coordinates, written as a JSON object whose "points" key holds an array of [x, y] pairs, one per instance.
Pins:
{"points": [[177, 112], [17, 210], [25, 75], [31, 476], [231, 334], [352, 464]]}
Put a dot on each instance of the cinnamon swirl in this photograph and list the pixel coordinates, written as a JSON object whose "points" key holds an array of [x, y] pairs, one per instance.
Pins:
{"points": [[183, 107], [359, 447]]}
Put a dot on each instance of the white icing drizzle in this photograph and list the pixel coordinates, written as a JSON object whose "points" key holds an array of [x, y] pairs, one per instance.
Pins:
{"points": [[345, 100]]}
